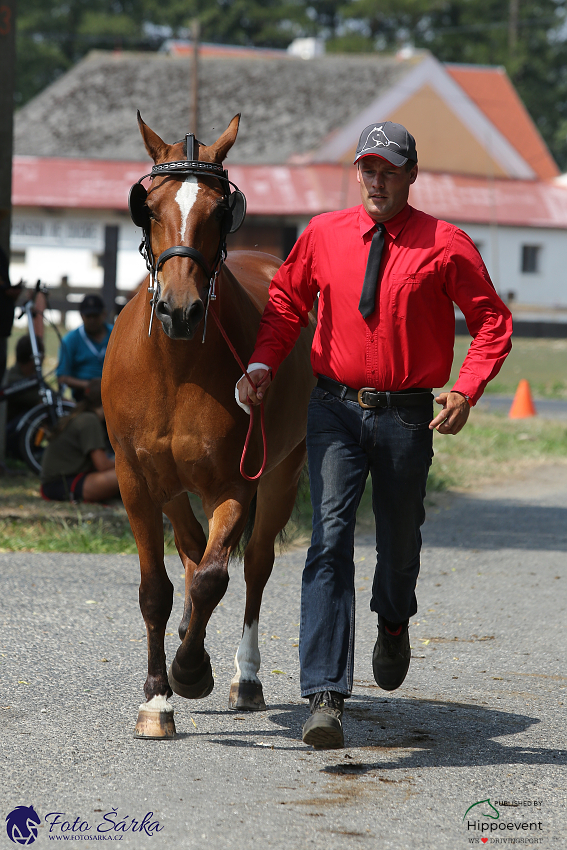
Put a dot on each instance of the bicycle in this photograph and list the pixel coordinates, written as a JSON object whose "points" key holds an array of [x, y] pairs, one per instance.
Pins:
{"points": [[35, 426]]}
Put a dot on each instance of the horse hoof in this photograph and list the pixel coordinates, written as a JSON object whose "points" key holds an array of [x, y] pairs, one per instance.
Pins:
{"points": [[155, 720], [194, 690], [246, 696]]}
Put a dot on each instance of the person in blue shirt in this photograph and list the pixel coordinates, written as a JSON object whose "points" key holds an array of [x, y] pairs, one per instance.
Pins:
{"points": [[82, 351]]}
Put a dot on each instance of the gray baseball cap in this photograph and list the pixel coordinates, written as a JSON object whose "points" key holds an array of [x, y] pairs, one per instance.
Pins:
{"points": [[388, 140]]}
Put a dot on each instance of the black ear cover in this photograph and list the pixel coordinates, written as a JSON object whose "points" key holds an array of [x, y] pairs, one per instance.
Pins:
{"points": [[137, 206], [237, 207]]}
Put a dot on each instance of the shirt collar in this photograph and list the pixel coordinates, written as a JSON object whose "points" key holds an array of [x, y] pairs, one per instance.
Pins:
{"points": [[393, 226]]}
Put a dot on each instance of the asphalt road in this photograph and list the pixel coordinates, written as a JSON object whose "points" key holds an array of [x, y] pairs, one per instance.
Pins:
{"points": [[547, 408], [480, 717]]}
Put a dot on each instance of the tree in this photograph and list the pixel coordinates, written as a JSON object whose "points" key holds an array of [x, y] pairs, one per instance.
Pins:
{"points": [[52, 35]]}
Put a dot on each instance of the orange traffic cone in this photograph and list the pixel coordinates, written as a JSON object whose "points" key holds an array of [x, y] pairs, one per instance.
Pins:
{"points": [[523, 405]]}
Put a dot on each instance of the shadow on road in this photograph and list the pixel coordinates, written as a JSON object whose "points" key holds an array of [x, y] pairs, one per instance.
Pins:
{"points": [[408, 733], [476, 523]]}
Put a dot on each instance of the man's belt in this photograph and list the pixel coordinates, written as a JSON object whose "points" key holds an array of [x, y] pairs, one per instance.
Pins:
{"points": [[368, 397]]}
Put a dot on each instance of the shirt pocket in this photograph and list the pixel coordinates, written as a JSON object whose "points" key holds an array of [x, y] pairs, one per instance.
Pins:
{"points": [[410, 292]]}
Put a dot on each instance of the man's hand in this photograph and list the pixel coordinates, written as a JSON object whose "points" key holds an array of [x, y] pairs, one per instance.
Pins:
{"points": [[454, 415], [261, 378]]}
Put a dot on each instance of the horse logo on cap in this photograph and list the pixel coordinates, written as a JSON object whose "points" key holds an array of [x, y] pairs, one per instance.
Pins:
{"points": [[377, 138]]}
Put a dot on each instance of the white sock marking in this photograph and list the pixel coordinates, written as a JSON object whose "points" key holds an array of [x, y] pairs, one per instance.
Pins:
{"points": [[158, 703], [186, 197], [247, 659]]}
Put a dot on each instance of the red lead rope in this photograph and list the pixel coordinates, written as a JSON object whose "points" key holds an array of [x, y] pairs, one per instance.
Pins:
{"points": [[239, 361]]}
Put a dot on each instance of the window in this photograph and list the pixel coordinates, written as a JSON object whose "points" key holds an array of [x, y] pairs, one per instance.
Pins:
{"points": [[531, 258]]}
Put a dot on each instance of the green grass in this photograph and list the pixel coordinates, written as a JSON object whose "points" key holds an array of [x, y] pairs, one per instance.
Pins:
{"points": [[542, 362], [72, 534], [490, 448]]}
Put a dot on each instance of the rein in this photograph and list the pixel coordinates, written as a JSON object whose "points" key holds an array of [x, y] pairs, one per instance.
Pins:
{"points": [[251, 425]]}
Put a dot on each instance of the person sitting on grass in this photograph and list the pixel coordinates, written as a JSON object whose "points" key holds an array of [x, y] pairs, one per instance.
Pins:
{"points": [[75, 466]]}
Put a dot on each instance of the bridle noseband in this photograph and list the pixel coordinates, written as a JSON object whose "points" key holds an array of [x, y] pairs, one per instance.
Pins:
{"points": [[140, 216]]}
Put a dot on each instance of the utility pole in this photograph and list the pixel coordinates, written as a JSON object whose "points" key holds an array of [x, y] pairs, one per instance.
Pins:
{"points": [[109, 263], [195, 35], [7, 76]]}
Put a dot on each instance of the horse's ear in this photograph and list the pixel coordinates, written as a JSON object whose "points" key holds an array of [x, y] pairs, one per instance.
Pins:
{"points": [[223, 144], [155, 146]]}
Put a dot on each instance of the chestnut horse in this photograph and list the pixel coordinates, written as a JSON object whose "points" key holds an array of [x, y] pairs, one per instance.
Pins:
{"points": [[168, 394]]}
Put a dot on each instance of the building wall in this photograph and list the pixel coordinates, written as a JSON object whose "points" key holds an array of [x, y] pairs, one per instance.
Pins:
{"points": [[502, 249], [442, 139], [50, 245]]}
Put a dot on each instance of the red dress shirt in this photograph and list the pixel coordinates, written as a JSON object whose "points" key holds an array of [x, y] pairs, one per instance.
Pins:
{"points": [[407, 342]]}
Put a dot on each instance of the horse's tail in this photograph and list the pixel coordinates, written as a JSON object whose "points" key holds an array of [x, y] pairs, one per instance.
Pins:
{"points": [[298, 517], [301, 514], [240, 548]]}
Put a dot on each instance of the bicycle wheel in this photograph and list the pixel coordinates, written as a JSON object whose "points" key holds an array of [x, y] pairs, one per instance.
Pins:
{"points": [[34, 430]]}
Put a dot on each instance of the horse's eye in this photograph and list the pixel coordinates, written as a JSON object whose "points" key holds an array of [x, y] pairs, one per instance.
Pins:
{"points": [[221, 211]]}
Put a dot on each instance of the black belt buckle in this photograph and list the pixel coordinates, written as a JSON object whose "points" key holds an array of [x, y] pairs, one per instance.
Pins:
{"points": [[374, 392]]}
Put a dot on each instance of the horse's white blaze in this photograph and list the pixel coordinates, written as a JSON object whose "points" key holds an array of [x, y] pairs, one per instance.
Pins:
{"points": [[247, 659], [186, 197], [157, 703]]}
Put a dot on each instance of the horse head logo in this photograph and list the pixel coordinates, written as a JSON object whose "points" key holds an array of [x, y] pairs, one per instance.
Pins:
{"points": [[377, 138], [21, 825], [494, 814]]}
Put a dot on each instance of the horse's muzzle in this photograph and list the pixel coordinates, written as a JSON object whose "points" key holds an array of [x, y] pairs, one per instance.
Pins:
{"points": [[180, 322]]}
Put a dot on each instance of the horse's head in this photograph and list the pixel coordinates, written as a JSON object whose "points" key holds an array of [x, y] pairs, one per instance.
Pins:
{"points": [[186, 214]]}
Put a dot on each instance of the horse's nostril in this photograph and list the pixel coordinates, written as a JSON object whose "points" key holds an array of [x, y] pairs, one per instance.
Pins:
{"points": [[162, 309], [195, 313]]}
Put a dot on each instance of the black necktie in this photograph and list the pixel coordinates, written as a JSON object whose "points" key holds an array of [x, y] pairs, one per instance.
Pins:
{"points": [[368, 298]]}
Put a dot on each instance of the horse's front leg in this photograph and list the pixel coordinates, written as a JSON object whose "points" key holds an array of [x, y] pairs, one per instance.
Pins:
{"points": [[191, 543], [190, 674], [155, 717]]}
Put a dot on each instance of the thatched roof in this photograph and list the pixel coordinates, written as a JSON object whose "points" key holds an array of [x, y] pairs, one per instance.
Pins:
{"points": [[288, 105]]}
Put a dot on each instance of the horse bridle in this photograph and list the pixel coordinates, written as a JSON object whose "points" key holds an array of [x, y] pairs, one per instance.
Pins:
{"points": [[140, 216]]}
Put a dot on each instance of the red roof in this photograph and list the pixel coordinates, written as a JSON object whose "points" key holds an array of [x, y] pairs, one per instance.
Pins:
{"points": [[295, 190], [493, 92]]}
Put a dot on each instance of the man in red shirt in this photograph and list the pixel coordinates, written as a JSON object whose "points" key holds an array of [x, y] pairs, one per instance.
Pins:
{"points": [[387, 276]]}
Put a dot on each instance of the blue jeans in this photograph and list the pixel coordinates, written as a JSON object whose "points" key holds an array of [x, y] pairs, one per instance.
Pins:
{"points": [[344, 443]]}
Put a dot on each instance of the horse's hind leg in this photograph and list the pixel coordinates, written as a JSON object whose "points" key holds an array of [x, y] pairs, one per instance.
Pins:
{"points": [[276, 497], [191, 542], [155, 718]]}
